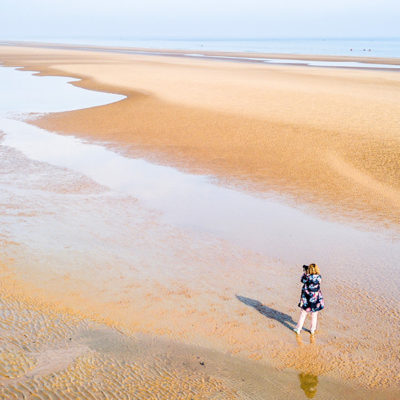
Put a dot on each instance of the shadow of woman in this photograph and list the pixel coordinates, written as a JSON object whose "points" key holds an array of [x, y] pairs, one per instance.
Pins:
{"points": [[285, 319]]}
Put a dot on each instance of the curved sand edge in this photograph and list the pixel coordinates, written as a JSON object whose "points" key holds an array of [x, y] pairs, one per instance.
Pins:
{"points": [[261, 127], [183, 154]]}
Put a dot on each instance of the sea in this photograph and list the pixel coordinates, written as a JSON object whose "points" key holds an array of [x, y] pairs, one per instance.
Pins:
{"points": [[368, 47]]}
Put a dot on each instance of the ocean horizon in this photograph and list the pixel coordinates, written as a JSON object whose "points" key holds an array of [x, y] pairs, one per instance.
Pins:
{"points": [[368, 47]]}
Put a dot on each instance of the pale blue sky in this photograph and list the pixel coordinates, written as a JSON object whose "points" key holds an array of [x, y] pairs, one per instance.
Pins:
{"points": [[199, 19]]}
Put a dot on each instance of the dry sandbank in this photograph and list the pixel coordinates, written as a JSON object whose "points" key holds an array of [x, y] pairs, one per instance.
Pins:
{"points": [[325, 136]]}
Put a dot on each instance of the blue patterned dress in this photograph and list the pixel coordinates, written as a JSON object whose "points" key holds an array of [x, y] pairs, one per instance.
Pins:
{"points": [[311, 299]]}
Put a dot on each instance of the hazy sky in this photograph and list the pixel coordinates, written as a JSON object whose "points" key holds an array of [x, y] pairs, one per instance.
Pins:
{"points": [[199, 19]]}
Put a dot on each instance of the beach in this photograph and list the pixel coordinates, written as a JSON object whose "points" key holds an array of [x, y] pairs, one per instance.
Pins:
{"points": [[244, 172], [319, 116]]}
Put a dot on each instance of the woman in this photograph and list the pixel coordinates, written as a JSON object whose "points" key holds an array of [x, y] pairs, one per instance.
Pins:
{"points": [[311, 300]]}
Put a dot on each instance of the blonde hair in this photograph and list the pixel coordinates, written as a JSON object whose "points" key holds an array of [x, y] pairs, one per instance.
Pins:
{"points": [[313, 270]]}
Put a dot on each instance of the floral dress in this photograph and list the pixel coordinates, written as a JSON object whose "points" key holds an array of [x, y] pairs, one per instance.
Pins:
{"points": [[311, 299]]}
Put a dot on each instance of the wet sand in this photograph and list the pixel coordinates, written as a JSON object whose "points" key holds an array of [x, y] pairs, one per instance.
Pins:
{"points": [[194, 287], [50, 352], [325, 136]]}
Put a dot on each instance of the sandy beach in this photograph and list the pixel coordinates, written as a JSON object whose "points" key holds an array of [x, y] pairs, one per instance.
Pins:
{"points": [[328, 136], [198, 310]]}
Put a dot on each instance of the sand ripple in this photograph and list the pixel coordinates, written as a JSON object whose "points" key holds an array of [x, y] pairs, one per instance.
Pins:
{"points": [[47, 355]]}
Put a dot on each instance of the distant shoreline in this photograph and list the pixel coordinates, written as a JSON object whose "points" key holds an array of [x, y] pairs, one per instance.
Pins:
{"points": [[308, 60]]}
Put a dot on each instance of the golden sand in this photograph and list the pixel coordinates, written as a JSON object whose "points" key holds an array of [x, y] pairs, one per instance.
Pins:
{"points": [[328, 136], [49, 351], [324, 136], [46, 353]]}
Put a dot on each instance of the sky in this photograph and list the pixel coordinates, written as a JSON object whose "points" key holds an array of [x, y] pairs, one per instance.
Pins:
{"points": [[30, 19]]}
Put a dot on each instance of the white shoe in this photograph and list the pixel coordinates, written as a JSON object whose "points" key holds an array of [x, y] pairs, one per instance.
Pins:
{"points": [[312, 332], [297, 331]]}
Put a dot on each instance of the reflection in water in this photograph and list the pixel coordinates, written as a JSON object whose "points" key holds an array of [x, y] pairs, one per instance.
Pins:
{"points": [[299, 340], [309, 384]]}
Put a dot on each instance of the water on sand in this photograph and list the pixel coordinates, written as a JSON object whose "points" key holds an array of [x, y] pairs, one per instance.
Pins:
{"points": [[81, 221]]}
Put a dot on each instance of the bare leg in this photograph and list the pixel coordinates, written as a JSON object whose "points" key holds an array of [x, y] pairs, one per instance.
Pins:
{"points": [[314, 318], [300, 324]]}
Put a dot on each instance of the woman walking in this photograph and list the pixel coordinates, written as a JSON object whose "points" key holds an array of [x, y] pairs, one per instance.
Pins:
{"points": [[311, 300]]}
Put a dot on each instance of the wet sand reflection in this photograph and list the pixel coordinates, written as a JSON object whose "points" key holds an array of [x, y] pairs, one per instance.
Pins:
{"points": [[308, 384]]}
